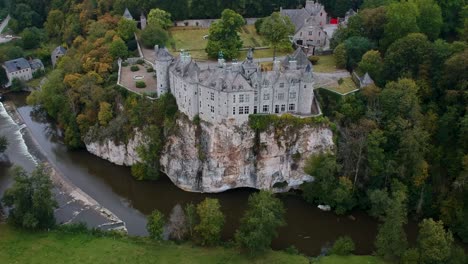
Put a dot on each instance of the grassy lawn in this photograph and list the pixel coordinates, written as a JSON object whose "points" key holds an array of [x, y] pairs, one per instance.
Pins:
{"points": [[350, 260], [59, 247], [347, 86], [191, 38], [325, 64]]}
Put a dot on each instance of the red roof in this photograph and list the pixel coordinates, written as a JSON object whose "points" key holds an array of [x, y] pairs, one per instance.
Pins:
{"points": [[334, 21]]}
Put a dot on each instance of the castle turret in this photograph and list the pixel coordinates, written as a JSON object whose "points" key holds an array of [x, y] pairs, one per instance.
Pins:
{"points": [[142, 21], [306, 92], [162, 63]]}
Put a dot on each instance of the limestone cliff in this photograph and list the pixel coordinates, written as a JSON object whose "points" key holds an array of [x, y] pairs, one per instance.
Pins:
{"points": [[215, 158]]}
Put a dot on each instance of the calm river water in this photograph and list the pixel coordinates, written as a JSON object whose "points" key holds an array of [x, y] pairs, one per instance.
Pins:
{"points": [[308, 228]]}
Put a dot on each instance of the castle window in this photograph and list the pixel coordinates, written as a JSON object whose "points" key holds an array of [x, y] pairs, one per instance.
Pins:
{"points": [[281, 85], [246, 110], [280, 96], [255, 109], [266, 108], [292, 107], [319, 33], [276, 109], [212, 96], [241, 98], [305, 86], [310, 33], [234, 111], [234, 98], [212, 109], [247, 98], [283, 108], [292, 95], [241, 110], [266, 96]]}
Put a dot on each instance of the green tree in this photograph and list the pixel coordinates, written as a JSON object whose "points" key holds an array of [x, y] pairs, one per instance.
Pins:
{"points": [[3, 77], [31, 37], [372, 63], [430, 18], [154, 35], [434, 243], [356, 47], [379, 201], [211, 222], [3, 144], [55, 24], [224, 37], [105, 113], [340, 56], [126, 29], [30, 200], [159, 18], [323, 168], [191, 214], [343, 246], [264, 215], [373, 21], [155, 225], [391, 241], [276, 29], [118, 49], [401, 20]]}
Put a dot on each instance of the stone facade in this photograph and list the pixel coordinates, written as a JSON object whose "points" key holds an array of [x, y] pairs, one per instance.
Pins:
{"points": [[56, 54], [309, 24], [21, 69], [233, 91]]}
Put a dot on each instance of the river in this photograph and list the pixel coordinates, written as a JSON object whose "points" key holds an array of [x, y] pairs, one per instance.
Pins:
{"points": [[308, 228]]}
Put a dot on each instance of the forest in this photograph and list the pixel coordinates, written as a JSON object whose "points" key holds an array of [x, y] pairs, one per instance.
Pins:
{"points": [[402, 144]]}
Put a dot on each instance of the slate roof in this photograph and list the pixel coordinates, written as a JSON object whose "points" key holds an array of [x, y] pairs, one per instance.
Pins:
{"points": [[16, 65], [297, 16], [163, 54], [302, 61], [59, 51], [223, 79], [36, 64], [127, 14], [366, 80]]}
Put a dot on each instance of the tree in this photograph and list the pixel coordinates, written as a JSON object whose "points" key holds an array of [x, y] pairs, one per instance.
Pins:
{"points": [[264, 215], [191, 213], [177, 225], [373, 21], [55, 24], [127, 28], [430, 18], [31, 37], [154, 35], [379, 201], [3, 144], [340, 56], [276, 29], [159, 18], [343, 246], [30, 200], [434, 243], [3, 77], [391, 241], [372, 63], [223, 35], [401, 20], [105, 113], [155, 225], [118, 49], [211, 222]]}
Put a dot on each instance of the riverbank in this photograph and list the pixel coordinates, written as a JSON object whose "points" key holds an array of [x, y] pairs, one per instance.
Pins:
{"points": [[18, 246], [74, 204]]}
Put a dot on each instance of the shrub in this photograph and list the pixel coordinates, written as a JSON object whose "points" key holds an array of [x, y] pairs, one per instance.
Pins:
{"points": [[314, 59], [140, 61], [150, 69], [211, 222], [340, 81], [258, 24], [134, 68], [140, 84], [124, 64], [292, 250], [155, 225], [343, 246]]}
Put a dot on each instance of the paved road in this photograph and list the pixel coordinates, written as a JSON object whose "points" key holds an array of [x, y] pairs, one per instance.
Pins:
{"points": [[2, 27]]}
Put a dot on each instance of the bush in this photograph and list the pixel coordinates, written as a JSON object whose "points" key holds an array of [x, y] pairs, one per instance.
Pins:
{"points": [[140, 61], [340, 81], [140, 84], [292, 250], [258, 24], [155, 225], [124, 64], [134, 68], [343, 246], [211, 222], [150, 69], [314, 59]]}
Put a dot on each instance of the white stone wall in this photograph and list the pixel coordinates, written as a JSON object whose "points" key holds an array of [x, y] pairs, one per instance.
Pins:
{"points": [[24, 75], [318, 37], [306, 97], [162, 75]]}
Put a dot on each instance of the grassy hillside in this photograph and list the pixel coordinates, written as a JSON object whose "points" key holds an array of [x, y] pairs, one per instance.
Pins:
{"points": [[59, 247]]}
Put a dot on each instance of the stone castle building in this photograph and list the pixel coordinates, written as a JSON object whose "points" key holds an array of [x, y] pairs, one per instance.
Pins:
{"points": [[233, 91]]}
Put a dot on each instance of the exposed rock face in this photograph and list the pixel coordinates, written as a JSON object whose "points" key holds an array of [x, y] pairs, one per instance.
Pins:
{"points": [[117, 153], [223, 157], [215, 158]]}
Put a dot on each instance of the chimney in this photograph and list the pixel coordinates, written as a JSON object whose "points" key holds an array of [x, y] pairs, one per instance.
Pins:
{"points": [[235, 66], [276, 65], [156, 48]]}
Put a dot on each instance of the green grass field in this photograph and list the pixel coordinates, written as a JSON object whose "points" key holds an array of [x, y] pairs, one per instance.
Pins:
{"points": [[58, 247], [326, 63]]}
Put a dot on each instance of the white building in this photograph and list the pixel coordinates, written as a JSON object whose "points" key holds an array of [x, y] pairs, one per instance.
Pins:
{"points": [[21, 69], [233, 91]]}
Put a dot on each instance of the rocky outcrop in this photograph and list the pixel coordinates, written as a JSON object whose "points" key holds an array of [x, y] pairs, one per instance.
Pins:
{"points": [[215, 158], [117, 153]]}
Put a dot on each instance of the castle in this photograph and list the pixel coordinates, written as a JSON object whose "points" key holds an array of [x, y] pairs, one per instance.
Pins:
{"points": [[230, 92]]}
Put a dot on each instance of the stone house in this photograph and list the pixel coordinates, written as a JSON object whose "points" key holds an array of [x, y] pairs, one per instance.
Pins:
{"points": [[309, 24], [56, 54], [233, 91], [21, 69]]}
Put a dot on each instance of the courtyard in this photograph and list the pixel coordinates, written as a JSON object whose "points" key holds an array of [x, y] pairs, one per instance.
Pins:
{"points": [[145, 74]]}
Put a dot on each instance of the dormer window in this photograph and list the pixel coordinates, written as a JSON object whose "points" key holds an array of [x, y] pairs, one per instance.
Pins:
{"points": [[281, 85]]}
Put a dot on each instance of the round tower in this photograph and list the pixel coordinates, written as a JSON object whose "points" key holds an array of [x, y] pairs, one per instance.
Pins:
{"points": [[306, 91], [162, 62]]}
